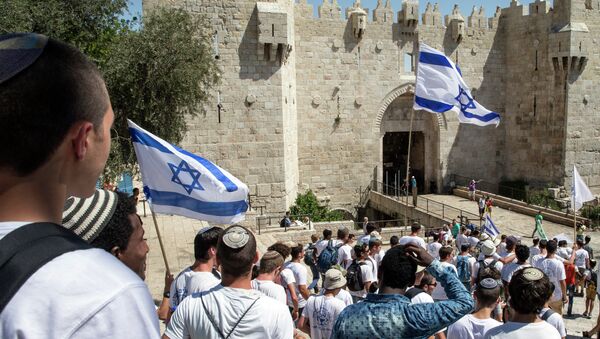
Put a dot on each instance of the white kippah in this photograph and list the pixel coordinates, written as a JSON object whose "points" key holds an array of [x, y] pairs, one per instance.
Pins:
{"points": [[235, 237], [88, 217]]}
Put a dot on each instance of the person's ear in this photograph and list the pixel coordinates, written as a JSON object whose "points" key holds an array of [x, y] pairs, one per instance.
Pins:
{"points": [[256, 257], [212, 251], [79, 139], [116, 251]]}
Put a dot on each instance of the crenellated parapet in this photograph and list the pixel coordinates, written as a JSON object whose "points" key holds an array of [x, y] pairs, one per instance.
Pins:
{"points": [[455, 22], [432, 15], [409, 15], [274, 32], [383, 14], [477, 19], [493, 21], [330, 11], [304, 9]]}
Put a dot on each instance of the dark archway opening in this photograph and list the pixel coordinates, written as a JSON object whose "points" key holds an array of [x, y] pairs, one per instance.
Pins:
{"points": [[395, 148]]}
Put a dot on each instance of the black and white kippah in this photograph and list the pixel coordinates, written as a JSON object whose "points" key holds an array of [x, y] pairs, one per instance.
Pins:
{"points": [[19, 51], [488, 283], [88, 217], [235, 237]]}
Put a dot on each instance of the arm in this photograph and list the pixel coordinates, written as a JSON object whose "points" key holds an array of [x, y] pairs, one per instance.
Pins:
{"points": [[164, 308], [508, 259], [303, 324], [294, 298], [563, 287]]}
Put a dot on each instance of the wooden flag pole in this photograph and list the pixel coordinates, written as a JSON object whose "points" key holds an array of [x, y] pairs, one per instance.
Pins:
{"points": [[412, 113], [162, 247]]}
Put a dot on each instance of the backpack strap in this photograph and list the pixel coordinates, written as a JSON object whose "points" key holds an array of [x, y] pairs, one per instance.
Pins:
{"points": [[413, 292], [549, 312], [28, 248]]}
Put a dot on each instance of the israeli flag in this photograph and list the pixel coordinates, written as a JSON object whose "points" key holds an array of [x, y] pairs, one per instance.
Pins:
{"points": [[490, 228], [179, 182], [441, 88]]}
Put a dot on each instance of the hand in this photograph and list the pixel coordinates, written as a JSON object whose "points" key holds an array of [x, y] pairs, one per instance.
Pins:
{"points": [[565, 299], [418, 255], [295, 315]]}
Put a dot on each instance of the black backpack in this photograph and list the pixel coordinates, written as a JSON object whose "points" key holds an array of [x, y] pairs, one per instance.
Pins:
{"points": [[354, 276], [413, 292], [483, 266]]}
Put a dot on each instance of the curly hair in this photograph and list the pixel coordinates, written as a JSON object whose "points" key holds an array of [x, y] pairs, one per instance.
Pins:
{"points": [[119, 229], [280, 248]]}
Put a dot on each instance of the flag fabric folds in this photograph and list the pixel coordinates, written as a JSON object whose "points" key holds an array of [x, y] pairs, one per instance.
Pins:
{"points": [[490, 228], [580, 193], [179, 182], [441, 88]]}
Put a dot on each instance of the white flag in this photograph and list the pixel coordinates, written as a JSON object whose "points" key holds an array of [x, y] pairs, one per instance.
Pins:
{"points": [[441, 88], [579, 191], [179, 182]]}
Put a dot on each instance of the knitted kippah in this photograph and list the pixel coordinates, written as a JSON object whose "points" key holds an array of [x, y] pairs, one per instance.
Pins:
{"points": [[270, 255], [19, 51], [235, 237], [88, 217]]}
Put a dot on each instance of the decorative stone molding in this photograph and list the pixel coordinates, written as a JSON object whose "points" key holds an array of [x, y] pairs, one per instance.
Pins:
{"points": [[250, 99], [393, 95]]}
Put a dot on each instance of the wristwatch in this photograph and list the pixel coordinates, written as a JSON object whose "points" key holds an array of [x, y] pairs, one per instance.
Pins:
{"points": [[167, 294]]}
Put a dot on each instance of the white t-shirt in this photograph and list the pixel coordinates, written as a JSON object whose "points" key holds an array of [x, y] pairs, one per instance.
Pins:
{"points": [[270, 289], [487, 261], [226, 305], [322, 244], [461, 239], [555, 320], [502, 249], [321, 312], [555, 270], [533, 251], [373, 266], [580, 256], [438, 292], [473, 241], [188, 282], [564, 252], [301, 277], [367, 276], [537, 259], [513, 330], [343, 296], [509, 269], [469, 327], [287, 277], [433, 248], [421, 298], [411, 239], [345, 256], [80, 294]]}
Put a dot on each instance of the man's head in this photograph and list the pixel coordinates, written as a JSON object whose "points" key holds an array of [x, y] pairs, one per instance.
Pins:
{"points": [[108, 220], [205, 244], [270, 262], [374, 245], [361, 251], [536, 241], [465, 247], [281, 248], [365, 219], [297, 252], [236, 251], [562, 243], [587, 239], [543, 244], [475, 234], [427, 283], [334, 281], [522, 253], [579, 244], [529, 290], [398, 271], [487, 293], [55, 112], [551, 247], [351, 238], [446, 253], [327, 234], [314, 238], [343, 233], [370, 228], [488, 248], [135, 192], [415, 227], [511, 242], [503, 238], [394, 240]]}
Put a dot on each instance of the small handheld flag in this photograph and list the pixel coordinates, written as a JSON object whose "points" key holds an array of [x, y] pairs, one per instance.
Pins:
{"points": [[441, 88], [580, 193], [490, 228], [182, 183]]}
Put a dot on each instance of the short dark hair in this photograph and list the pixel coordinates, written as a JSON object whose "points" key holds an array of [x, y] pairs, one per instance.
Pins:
{"points": [[543, 243], [579, 243], [394, 240], [487, 297], [343, 233], [204, 241], [296, 250], [360, 249], [39, 105], [398, 271], [351, 236], [236, 262], [374, 242], [551, 247], [503, 237], [536, 241], [370, 228], [529, 296], [119, 229], [522, 252], [426, 279], [465, 247], [489, 272], [436, 236], [415, 227], [475, 233], [587, 239], [562, 243], [327, 233], [445, 252], [280, 248]]}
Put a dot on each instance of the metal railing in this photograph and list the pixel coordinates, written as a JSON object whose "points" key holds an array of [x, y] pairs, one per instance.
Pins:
{"points": [[265, 221]]}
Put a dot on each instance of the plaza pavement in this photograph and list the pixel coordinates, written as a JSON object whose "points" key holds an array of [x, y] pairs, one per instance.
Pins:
{"points": [[178, 237]]}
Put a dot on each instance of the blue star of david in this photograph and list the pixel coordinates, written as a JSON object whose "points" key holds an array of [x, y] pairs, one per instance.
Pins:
{"points": [[464, 100], [193, 174]]}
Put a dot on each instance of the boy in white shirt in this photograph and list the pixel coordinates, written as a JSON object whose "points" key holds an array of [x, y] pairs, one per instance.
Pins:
{"points": [[529, 289], [476, 325], [271, 264], [345, 251], [362, 252], [321, 311], [414, 236]]}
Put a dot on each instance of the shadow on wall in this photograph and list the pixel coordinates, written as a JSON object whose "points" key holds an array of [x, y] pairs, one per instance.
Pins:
{"points": [[251, 65]]}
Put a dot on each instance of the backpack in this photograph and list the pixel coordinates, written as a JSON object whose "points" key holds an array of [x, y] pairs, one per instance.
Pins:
{"points": [[547, 314], [483, 265], [309, 259], [284, 222], [328, 257], [354, 276], [463, 268], [413, 292]]}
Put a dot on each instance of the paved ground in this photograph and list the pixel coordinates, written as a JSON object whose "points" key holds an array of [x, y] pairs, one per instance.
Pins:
{"points": [[178, 236]]}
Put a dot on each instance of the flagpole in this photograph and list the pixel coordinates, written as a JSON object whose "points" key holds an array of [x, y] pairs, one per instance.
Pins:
{"points": [[412, 113], [162, 246]]}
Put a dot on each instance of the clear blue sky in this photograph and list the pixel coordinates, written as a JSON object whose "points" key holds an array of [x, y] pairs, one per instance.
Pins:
{"points": [[135, 7]]}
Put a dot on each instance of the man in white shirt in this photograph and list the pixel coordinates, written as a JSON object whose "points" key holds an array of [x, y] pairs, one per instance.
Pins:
{"points": [[555, 270], [535, 249], [414, 236], [367, 237], [488, 250], [509, 269], [421, 292], [373, 261], [478, 323], [56, 121], [270, 266], [462, 237], [582, 262], [345, 251], [199, 277], [300, 275], [445, 261], [474, 238], [537, 258], [554, 319], [362, 253], [287, 280], [321, 311], [321, 244], [529, 288], [233, 308], [433, 248]]}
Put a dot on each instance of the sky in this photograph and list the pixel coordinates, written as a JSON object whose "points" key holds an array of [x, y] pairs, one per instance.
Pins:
{"points": [[135, 7]]}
